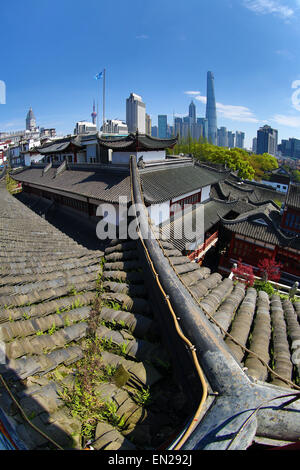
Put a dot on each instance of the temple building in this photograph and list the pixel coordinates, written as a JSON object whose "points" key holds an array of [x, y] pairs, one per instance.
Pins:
{"points": [[265, 232]]}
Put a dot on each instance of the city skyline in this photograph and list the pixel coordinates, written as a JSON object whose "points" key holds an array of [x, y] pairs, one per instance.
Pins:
{"points": [[254, 85]]}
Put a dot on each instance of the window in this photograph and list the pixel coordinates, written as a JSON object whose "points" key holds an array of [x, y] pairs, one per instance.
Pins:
{"points": [[181, 203]]}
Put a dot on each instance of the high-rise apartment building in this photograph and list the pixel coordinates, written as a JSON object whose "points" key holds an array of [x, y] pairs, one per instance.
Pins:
{"points": [[239, 139], [204, 123], [154, 131], [192, 113], [267, 139], [290, 148], [162, 126], [231, 139], [223, 137], [254, 145], [135, 114], [211, 109], [178, 126]]}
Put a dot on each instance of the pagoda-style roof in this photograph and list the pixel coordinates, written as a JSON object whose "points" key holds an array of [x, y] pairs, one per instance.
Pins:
{"points": [[293, 196], [262, 224], [137, 142], [62, 145]]}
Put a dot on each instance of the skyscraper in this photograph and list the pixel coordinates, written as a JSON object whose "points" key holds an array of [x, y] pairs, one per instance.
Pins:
{"points": [[231, 137], [30, 121], [267, 140], [211, 110], [204, 123], [162, 126], [135, 114], [239, 139], [223, 137], [178, 126], [192, 112]]}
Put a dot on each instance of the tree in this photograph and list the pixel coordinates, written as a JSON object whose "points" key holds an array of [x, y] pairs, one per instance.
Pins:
{"points": [[269, 270]]}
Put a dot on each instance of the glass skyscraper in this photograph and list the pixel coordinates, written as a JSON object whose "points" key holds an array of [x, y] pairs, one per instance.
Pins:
{"points": [[211, 110], [162, 126], [192, 112]]}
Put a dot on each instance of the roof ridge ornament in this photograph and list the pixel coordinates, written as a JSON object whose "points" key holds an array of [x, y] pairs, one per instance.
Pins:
{"points": [[47, 168], [61, 168]]}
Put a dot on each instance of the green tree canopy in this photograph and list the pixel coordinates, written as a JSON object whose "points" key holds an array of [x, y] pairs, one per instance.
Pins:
{"points": [[249, 166]]}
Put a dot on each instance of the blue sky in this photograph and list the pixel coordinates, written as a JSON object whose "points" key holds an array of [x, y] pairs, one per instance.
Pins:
{"points": [[162, 50]]}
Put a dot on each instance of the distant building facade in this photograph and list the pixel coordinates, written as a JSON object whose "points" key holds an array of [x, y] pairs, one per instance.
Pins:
{"points": [[223, 137], [30, 121], [114, 126], [162, 126], [239, 139], [135, 114], [231, 139], [84, 127], [267, 140], [290, 148], [192, 113], [148, 124]]}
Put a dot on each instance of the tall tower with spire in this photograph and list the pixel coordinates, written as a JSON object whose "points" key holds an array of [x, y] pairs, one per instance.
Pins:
{"points": [[94, 114], [192, 112], [30, 121], [211, 110]]}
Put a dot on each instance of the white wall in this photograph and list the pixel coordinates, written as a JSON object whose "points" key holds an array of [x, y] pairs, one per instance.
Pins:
{"points": [[278, 186], [205, 193], [91, 152], [123, 157]]}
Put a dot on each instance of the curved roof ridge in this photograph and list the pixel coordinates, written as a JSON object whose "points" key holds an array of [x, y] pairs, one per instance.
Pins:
{"points": [[236, 186], [260, 215]]}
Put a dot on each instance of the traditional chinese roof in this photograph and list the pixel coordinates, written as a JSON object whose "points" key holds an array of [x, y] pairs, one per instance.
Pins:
{"points": [[180, 231], [49, 306], [164, 183], [263, 224], [160, 183], [101, 184], [137, 142], [61, 146], [293, 196]]}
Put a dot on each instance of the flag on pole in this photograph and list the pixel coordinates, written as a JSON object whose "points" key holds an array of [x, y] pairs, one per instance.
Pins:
{"points": [[98, 75]]}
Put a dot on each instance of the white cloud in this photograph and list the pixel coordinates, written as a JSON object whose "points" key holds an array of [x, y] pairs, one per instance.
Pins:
{"points": [[228, 111], [192, 92], [288, 121], [264, 7], [142, 36]]}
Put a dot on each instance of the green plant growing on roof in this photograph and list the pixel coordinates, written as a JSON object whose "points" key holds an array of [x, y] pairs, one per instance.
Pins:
{"points": [[40, 333], [124, 348], [142, 396], [110, 370], [52, 329]]}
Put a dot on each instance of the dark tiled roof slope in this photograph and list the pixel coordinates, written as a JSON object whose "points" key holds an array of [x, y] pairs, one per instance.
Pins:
{"points": [[293, 196], [98, 184], [247, 320], [63, 307], [160, 185]]}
